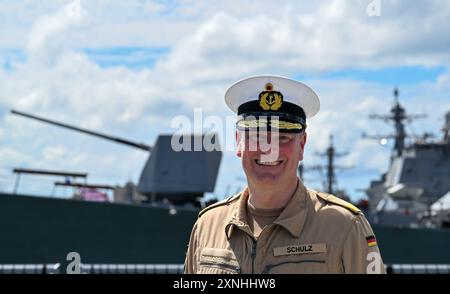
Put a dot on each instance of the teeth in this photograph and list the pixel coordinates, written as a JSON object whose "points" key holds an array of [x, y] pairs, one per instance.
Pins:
{"points": [[268, 162]]}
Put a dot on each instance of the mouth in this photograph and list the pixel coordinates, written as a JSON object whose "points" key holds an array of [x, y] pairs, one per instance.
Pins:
{"points": [[268, 163]]}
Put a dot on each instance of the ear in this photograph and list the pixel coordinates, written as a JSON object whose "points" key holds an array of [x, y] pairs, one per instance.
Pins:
{"points": [[239, 144], [302, 145]]}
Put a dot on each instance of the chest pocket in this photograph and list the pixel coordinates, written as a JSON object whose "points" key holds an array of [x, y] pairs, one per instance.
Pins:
{"points": [[218, 261], [314, 264]]}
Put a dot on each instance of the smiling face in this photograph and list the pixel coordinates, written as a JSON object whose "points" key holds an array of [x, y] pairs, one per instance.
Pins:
{"points": [[271, 159]]}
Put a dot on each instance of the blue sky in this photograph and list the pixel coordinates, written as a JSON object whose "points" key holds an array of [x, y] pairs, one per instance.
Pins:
{"points": [[128, 68], [400, 75]]}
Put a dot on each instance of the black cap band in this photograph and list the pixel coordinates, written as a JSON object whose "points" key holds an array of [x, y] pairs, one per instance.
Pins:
{"points": [[288, 117], [288, 111]]}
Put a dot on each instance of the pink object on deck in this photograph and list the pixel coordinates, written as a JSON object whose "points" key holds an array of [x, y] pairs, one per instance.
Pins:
{"points": [[90, 194]]}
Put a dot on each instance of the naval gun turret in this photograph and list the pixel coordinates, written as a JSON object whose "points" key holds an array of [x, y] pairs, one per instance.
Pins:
{"points": [[175, 176]]}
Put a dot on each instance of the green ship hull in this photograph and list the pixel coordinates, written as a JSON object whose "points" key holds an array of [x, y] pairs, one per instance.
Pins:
{"points": [[44, 230]]}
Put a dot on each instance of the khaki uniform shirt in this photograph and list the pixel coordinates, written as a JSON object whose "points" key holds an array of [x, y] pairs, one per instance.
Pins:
{"points": [[315, 233], [259, 218]]}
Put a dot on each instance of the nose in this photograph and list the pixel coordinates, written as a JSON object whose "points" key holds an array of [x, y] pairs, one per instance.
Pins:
{"points": [[264, 147], [271, 146]]}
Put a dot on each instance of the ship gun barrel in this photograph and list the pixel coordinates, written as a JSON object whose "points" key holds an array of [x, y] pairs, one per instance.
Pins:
{"points": [[92, 133]]}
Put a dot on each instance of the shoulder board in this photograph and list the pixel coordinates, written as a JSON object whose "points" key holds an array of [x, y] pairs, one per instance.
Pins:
{"points": [[339, 201], [219, 203]]}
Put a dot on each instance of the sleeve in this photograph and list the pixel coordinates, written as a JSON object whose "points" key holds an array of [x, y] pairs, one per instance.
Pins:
{"points": [[361, 254], [190, 263]]}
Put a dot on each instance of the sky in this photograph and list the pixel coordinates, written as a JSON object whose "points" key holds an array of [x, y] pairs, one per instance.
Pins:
{"points": [[127, 68]]}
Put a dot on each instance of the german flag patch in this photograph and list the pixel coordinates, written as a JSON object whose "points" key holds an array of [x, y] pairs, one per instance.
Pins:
{"points": [[371, 241]]}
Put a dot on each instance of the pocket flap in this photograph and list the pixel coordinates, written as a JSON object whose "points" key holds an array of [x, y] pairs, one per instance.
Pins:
{"points": [[219, 257]]}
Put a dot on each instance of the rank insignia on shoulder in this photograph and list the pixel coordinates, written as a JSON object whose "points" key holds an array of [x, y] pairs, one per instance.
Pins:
{"points": [[219, 203], [338, 201]]}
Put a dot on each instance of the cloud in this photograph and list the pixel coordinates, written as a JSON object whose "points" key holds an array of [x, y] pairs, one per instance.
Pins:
{"points": [[48, 27], [337, 35], [298, 34], [209, 46]]}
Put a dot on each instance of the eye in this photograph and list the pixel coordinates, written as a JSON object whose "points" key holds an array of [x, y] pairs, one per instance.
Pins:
{"points": [[285, 139]]}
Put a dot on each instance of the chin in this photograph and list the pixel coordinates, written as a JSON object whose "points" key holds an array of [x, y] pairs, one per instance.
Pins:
{"points": [[266, 178]]}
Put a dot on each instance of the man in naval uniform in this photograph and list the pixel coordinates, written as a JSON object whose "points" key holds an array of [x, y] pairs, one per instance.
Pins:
{"points": [[277, 225]]}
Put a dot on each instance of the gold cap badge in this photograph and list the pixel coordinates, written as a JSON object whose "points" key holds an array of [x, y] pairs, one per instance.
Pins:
{"points": [[269, 99]]}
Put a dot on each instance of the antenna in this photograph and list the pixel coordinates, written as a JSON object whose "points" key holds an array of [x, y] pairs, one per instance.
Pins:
{"points": [[399, 117], [330, 154]]}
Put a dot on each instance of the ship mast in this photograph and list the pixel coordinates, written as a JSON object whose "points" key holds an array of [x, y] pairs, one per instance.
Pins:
{"points": [[330, 154], [399, 117], [446, 128]]}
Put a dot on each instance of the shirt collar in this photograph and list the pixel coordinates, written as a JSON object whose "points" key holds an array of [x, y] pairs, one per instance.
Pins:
{"points": [[238, 216], [292, 218]]}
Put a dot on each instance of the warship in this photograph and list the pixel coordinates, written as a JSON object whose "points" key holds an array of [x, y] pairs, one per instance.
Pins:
{"points": [[145, 229], [408, 206], [414, 190], [147, 224]]}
